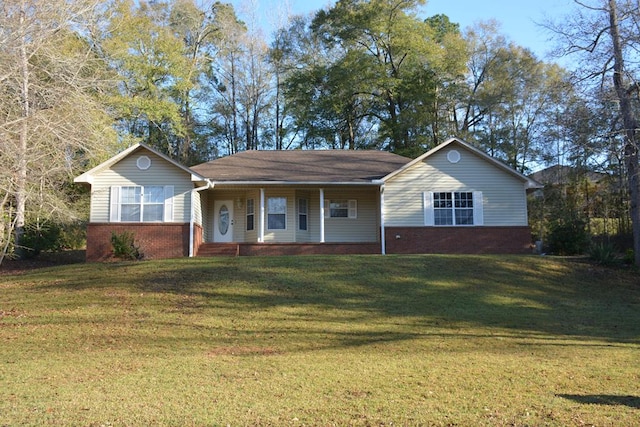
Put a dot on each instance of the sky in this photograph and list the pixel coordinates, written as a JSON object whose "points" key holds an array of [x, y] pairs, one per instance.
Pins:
{"points": [[519, 19]]}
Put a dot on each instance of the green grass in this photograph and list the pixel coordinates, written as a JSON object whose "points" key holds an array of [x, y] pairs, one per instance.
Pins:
{"points": [[359, 340]]}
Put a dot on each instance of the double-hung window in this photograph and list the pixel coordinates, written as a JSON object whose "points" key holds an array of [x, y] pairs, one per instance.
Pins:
{"points": [[130, 204], [303, 214], [135, 203], [251, 214], [277, 213], [453, 208], [153, 203]]}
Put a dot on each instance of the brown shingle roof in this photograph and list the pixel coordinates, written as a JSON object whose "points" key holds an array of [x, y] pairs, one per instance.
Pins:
{"points": [[302, 166]]}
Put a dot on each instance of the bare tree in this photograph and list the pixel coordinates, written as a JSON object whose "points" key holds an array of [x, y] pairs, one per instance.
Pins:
{"points": [[623, 91], [603, 35], [50, 116], [241, 82]]}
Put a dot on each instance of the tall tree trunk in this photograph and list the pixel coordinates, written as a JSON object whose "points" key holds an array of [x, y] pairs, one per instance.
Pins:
{"points": [[21, 181], [234, 108], [277, 108], [185, 151], [630, 126]]}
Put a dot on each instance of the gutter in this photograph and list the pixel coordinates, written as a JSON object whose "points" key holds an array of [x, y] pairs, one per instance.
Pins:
{"points": [[193, 213], [375, 182]]}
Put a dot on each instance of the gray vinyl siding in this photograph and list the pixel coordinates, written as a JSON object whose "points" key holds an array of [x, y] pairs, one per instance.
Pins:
{"points": [[197, 206], [239, 217], [200, 201], [313, 220], [365, 227], [126, 173], [503, 194]]}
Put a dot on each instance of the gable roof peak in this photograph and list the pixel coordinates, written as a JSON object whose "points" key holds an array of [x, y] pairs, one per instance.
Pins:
{"points": [[529, 183], [87, 177]]}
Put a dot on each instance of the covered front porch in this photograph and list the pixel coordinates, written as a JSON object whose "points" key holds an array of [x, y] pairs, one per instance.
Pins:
{"points": [[279, 219]]}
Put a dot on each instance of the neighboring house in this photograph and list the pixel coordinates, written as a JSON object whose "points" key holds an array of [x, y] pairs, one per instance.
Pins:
{"points": [[452, 199], [562, 175]]}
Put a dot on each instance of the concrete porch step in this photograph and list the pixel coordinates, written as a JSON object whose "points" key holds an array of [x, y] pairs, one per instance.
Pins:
{"points": [[218, 249]]}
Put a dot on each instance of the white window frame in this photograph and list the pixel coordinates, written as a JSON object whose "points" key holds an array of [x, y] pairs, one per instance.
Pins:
{"points": [[350, 205], [270, 213], [115, 211], [429, 209]]}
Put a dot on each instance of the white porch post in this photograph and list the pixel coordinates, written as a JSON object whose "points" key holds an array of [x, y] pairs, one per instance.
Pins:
{"points": [[322, 215], [261, 222], [383, 241]]}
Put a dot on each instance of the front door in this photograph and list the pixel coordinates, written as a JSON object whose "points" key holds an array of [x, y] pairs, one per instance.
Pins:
{"points": [[223, 221]]}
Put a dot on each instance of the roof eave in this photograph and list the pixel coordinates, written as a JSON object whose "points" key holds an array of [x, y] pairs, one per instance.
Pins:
{"points": [[371, 183], [532, 184]]}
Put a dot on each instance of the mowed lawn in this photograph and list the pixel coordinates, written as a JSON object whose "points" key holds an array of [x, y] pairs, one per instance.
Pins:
{"points": [[322, 341]]}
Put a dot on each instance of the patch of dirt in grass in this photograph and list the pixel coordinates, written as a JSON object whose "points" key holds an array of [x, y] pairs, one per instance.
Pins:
{"points": [[11, 313], [48, 259], [357, 394], [243, 351]]}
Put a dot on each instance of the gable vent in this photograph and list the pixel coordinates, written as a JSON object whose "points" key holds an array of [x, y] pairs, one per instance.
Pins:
{"points": [[143, 163], [453, 156]]}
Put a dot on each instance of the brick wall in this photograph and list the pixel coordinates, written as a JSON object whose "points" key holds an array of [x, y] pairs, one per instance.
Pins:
{"points": [[198, 237], [172, 241], [458, 240], [154, 240]]}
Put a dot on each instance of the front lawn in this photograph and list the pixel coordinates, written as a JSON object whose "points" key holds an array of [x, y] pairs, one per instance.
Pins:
{"points": [[333, 340]]}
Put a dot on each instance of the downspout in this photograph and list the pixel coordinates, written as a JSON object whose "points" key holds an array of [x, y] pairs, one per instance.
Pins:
{"points": [[322, 215], [383, 240], [193, 215]]}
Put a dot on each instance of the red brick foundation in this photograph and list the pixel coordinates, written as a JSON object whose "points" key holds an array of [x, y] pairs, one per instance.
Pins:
{"points": [[154, 240], [158, 241], [458, 240], [198, 238]]}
